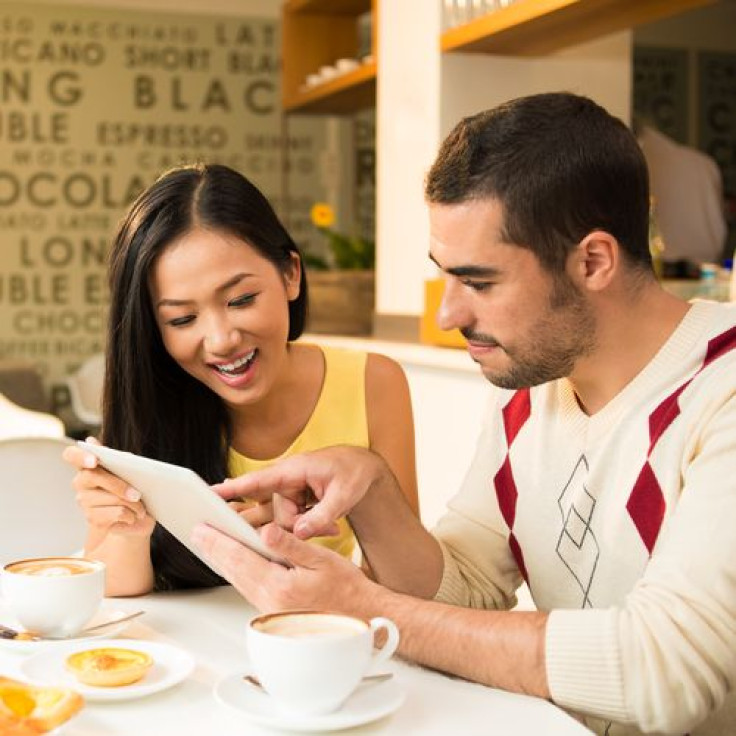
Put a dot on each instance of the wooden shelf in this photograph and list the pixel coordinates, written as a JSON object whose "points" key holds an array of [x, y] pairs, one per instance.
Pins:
{"points": [[330, 7], [342, 95], [535, 27], [317, 33]]}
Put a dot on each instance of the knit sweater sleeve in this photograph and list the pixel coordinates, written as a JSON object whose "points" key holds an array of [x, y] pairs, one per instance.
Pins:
{"points": [[665, 659], [479, 570]]}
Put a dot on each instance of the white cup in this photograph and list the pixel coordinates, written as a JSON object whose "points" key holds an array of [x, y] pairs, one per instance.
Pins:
{"points": [[310, 662], [346, 65], [53, 596], [327, 72]]}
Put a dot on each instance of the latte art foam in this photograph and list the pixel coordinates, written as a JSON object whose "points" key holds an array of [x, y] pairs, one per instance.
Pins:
{"points": [[311, 625], [51, 568]]}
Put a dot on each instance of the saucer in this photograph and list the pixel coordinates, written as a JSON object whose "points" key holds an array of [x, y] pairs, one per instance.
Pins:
{"points": [[171, 665], [104, 615], [366, 704]]}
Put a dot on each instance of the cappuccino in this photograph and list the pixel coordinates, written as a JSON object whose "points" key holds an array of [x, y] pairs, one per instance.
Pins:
{"points": [[309, 625], [50, 567], [310, 662], [53, 596]]}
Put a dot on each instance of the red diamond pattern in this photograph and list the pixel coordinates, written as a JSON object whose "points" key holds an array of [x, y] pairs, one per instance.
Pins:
{"points": [[646, 504], [515, 415], [506, 492]]}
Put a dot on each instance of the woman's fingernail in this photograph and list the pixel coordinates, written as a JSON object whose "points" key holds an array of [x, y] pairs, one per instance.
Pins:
{"points": [[132, 495], [89, 461]]}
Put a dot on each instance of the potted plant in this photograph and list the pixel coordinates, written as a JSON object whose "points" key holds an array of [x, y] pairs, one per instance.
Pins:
{"points": [[341, 286]]}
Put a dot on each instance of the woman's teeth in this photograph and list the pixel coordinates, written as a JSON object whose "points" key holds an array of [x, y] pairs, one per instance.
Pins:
{"points": [[237, 366]]}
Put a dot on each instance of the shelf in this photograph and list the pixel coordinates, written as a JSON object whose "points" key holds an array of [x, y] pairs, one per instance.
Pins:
{"points": [[316, 33], [342, 95], [535, 27], [329, 7]]}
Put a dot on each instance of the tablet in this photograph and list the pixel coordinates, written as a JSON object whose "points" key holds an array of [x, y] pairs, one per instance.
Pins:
{"points": [[178, 498]]}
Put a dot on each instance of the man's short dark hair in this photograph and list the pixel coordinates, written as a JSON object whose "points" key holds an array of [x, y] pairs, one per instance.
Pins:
{"points": [[560, 165]]}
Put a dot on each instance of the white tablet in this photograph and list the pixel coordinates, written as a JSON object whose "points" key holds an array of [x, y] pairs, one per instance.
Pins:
{"points": [[178, 498]]}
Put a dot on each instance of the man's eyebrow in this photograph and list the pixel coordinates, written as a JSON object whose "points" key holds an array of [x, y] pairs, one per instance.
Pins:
{"points": [[224, 287], [474, 271]]}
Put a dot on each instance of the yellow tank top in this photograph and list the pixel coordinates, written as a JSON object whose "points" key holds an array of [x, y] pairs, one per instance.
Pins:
{"points": [[339, 418]]}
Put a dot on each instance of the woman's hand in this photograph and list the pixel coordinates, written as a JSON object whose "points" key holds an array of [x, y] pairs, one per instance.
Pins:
{"points": [[256, 514], [109, 503]]}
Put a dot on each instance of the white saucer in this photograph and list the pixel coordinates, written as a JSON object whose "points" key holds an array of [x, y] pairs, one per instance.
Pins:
{"points": [[366, 704], [171, 665], [104, 615]]}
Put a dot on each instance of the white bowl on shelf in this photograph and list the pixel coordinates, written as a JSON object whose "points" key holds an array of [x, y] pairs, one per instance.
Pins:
{"points": [[346, 65], [327, 72]]}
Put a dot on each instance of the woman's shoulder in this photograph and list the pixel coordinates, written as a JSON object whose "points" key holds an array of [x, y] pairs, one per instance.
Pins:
{"points": [[383, 373]]}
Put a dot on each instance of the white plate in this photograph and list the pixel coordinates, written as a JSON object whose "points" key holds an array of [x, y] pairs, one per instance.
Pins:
{"points": [[368, 703], [171, 665], [104, 615]]}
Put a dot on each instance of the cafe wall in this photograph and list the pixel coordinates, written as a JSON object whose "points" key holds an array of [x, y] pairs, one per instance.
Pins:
{"points": [[413, 119], [95, 102], [685, 85]]}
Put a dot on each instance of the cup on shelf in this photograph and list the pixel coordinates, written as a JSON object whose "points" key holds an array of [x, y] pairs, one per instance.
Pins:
{"points": [[346, 65], [327, 72], [312, 80]]}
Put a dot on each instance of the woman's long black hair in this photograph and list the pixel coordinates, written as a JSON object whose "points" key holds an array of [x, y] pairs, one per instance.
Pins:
{"points": [[151, 406]]}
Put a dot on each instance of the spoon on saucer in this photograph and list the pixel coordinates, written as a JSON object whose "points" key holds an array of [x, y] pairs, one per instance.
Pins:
{"points": [[253, 680], [7, 633]]}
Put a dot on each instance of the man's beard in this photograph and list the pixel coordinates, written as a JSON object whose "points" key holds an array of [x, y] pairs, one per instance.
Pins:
{"points": [[565, 333]]}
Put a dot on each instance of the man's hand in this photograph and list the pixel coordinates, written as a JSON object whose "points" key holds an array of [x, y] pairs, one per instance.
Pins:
{"points": [[337, 478], [318, 578]]}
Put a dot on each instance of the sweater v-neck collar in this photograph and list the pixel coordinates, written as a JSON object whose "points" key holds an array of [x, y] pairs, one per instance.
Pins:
{"points": [[669, 359]]}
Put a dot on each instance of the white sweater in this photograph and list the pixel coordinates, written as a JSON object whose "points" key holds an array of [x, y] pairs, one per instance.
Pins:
{"points": [[624, 525]]}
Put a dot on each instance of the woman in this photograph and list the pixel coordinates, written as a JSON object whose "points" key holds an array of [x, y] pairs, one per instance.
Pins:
{"points": [[208, 295]]}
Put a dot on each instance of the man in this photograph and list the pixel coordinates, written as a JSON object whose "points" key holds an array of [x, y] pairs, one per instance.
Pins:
{"points": [[687, 189], [605, 475]]}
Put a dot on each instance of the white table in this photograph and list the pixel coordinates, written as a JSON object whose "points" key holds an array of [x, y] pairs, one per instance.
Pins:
{"points": [[211, 625]]}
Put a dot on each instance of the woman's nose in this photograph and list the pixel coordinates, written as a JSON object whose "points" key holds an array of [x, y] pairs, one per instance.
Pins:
{"points": [[221, 337]]}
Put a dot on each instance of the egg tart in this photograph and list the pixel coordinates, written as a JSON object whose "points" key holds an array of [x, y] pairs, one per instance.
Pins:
{"points": [[109, 666]]}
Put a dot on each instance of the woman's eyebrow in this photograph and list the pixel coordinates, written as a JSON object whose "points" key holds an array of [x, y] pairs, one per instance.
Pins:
{"points": [[224, 287]]}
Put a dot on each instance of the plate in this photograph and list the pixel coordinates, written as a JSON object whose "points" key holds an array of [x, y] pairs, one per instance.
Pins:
{"points": [[171, 665], [104, 615], [368, 703]]}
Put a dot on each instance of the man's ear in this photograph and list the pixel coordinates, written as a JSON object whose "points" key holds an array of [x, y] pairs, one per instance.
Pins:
{"points": [[596, 260], [292, 277]]}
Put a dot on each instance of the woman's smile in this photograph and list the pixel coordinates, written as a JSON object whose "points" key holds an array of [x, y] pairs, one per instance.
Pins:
{"points": [[238, 372]]}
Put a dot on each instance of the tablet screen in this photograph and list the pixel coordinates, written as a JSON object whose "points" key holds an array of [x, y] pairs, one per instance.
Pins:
{"points": [[178, 498]]}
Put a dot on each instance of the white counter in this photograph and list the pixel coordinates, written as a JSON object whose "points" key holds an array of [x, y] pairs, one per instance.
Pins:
{"points": [[448, 395]]}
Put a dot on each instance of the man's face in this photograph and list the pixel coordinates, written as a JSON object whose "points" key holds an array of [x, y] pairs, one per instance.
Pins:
{"points": [[524, 326]]}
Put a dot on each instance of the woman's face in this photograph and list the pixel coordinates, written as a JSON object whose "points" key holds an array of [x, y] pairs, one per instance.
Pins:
{"points": [[223, 313]]}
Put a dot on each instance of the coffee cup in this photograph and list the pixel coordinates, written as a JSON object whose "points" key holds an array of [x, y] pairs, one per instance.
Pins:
{"points": [[53, 596], [310, 662]]}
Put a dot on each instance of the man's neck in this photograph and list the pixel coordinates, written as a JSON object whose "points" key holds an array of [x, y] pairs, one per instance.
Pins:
{"points": [[630, 333]]}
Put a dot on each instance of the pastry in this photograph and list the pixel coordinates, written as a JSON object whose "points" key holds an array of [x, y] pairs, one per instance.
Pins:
{"points": [[27, 709], [109, 666]]}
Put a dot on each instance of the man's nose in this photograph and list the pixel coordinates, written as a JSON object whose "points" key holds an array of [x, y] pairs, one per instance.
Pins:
{"points": [[452, 312]]}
